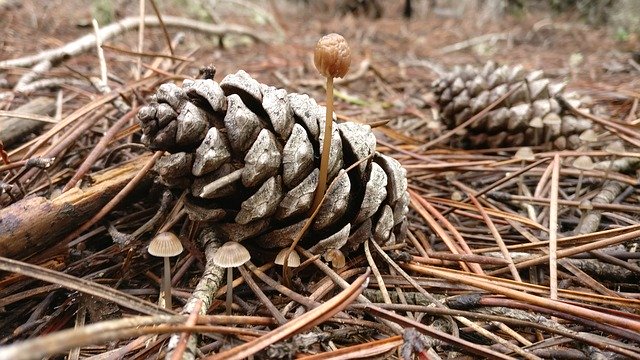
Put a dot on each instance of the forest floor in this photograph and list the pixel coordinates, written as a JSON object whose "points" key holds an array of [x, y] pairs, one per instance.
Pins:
{"points": [[589, 308]]}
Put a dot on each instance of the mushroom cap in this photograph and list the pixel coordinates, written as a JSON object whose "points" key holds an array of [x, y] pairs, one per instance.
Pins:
{"points": [[583, 163], [615, 148], [294, 258], [231, 254], [585, 205], [165, 244], [588, 136], [552, 119], [524, 153], [536, 123], [336, 257], [332, 56]]}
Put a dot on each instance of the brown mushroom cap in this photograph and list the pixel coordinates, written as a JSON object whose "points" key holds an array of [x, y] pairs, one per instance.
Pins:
{"points": [[165, 244], [524, 153], [294, 258], [332, 56], [336, 257], [583, 163], [231, 254]]}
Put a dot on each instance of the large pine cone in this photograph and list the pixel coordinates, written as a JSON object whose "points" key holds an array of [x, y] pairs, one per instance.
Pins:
{"points": [[530, 116], [249, 154]]}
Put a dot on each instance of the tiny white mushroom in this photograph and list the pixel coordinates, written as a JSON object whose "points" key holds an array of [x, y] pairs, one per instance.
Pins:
{"points": [[523, 154], [536, 124], [584, 206], [230, 255], [582, 163], [553, 122], [588, 136], [457, 196], [293, 258], [165, 245], [615, 148]]}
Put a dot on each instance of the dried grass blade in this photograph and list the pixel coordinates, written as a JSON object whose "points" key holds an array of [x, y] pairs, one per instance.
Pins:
{"points": [[450, 339], [365, 350], [496, 236], [191, 321], [553, 229], [529, 298], [299, 324], [543, 290], [451, 245], [82, 285], [495, 213]]}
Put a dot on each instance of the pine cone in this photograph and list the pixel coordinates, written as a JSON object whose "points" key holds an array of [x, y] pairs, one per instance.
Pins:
{"points": [[529, 116], [249, 154]]}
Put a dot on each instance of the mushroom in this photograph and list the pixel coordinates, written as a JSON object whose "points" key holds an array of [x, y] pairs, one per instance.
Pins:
{"points": [[332, 58], [582, 163], [614, 148], [536, 124], [523, 154], [293, 259], [336, 257], [165, 245], [230, 255], [584, 206], [552, 121], [587, 137]]}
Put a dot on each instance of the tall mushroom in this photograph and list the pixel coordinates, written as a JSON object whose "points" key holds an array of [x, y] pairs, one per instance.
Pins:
{"points": [[332, 58], [165, 245], [230, 255], [536, 124], [614, 148], [523, 154], [553, 122], [588, 137], [582, 163], [584, 206]]}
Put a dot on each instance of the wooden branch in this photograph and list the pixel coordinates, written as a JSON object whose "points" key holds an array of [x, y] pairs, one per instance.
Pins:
{"points": [[88, 42], [34, 223], [13, 129]]}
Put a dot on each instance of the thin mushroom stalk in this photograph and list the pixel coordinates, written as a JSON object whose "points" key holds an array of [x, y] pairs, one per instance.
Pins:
{"points": [[615, 148], [582, 163], [332, 58], [166, 283], [579, 185], [230, 255], [523, 154], [229, 300], [165, 245]]}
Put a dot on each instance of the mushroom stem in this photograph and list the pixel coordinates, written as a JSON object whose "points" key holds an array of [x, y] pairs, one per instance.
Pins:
{"points": [[166, 283], [576, 194], [610, 167], [229, 290], [326, 147], [521, 180]]}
